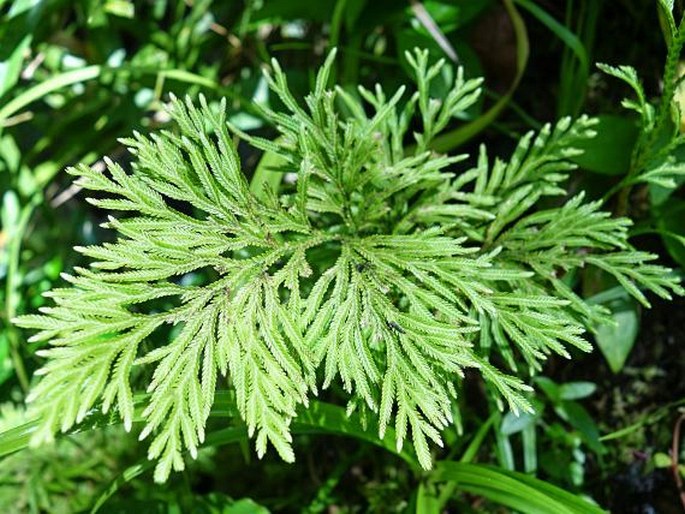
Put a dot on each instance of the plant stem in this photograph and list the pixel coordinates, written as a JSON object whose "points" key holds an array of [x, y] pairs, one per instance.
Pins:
{"points": [[675, 450]]}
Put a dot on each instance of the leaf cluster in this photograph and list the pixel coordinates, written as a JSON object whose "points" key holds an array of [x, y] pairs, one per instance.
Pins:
{"points": [[383, 267]]}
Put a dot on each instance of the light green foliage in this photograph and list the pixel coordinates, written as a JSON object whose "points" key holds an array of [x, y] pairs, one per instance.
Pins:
{"points": [[388, 270]]}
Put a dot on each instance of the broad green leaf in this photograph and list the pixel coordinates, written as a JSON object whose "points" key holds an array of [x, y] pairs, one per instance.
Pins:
{"points": [[609, 152], [669, 221], [576, 390], [580, 419], [530, 449], [267, 174], [52, 84], [616, 340], [517, 491], [512, 424], [10, 68], [426, 501], [550, 388]]}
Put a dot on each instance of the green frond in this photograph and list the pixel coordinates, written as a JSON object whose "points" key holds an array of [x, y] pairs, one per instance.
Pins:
{"points": [[628, 74], [388, 269], [632, 272], [665, 175]]}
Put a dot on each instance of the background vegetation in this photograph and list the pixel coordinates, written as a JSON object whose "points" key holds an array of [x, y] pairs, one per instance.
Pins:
{"points": [[75, 76]]}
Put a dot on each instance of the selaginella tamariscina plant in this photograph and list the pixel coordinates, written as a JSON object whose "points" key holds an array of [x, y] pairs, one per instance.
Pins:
{"points": [[383, 266]]}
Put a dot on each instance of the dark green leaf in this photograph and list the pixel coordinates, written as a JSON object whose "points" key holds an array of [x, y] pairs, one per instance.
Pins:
{"points": [[609, 153], [616, 340]]}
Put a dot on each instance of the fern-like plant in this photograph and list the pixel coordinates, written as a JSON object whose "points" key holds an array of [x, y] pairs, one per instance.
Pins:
{"points": [[388, 270]]}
